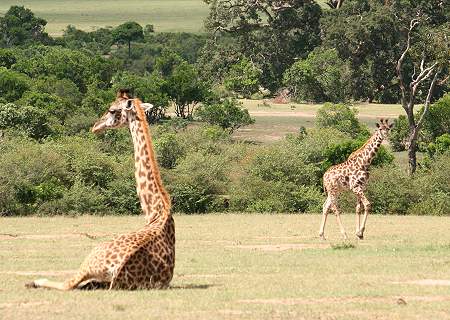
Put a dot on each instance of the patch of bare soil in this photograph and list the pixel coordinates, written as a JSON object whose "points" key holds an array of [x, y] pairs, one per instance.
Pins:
{"points": [[296, 301], [48, 273], [282, 114], [425, 282], [23, 304], [7, 236], [283, 247]]}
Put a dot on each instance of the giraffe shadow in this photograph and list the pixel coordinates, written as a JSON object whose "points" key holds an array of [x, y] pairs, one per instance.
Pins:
{"points": [[192, 286], [93, 285]]}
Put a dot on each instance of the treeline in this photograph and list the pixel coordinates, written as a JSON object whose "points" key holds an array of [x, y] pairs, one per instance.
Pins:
{"points": [[53, 89]]}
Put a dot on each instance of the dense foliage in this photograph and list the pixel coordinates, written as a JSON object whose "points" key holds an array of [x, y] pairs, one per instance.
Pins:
{"points": [[52, 91]]}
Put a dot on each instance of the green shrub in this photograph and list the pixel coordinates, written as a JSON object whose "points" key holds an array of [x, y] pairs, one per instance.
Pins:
{"points": [[226, 114], [198, 183], [168, 150], [254, 194], [86, 162], [13, 84], [338, 153], [30, 174], [440, 145], [398, 135], [79, 199], [389, 190], [342, 118]]}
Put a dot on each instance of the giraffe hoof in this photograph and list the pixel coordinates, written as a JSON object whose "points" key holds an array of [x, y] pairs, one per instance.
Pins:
{"points": [[360, 235], [30, 285]]}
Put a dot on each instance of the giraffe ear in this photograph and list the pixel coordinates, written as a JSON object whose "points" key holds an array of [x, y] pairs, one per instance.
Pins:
{"points": [[129, 104], [124, 94]]}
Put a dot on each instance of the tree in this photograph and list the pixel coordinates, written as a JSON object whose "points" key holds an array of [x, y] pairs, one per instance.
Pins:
{"points": [[365, 34], [419, 66], [34, 122], [322, 76], [127, 32], [20, 26], [182, 83], [148, 88], [341, 117], [272, 34], [243, 78], [13, 84], [228, 114]]}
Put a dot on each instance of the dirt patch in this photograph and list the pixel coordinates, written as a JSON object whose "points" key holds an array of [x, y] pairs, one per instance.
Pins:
{"points": [[282, 114], [283, 247], [201, 275], [7, 236], [23, 304], [41, 273], [425, 282], [296, 301]]}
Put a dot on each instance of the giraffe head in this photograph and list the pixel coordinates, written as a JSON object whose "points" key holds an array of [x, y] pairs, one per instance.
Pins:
{"points": [[384, 127], [120, 112]]}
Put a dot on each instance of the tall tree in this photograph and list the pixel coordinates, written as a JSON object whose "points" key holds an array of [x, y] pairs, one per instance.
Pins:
{"points": [[20, 26], [127, 32], [423, 64], [271, 33]]}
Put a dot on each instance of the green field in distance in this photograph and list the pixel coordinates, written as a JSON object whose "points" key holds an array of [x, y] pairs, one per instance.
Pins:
{"points": [[165, 15]]}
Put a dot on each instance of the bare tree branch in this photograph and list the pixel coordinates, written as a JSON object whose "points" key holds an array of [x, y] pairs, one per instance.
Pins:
{"points": [[413, 23], [427, 101]]}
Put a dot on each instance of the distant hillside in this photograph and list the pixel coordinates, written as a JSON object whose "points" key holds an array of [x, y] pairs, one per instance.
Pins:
{"points": [[165, 15]]}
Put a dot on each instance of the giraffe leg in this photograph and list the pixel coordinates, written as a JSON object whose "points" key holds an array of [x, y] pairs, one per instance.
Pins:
{"points": [[326, 208], [366, 204], [335, 208], [358, 215], [64, 286]]}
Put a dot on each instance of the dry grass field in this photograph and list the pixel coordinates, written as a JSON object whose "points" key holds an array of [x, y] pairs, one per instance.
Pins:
{"points": [[239, 267], [273, 121]]}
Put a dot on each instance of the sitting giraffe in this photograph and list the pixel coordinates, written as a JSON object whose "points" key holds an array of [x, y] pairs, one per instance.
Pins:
{"points": [[143, 259], [352, 174]]}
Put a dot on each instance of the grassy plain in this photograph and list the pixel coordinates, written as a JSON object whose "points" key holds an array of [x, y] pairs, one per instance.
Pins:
{"points": [[239, 267], [165, 15], [273, 121]]}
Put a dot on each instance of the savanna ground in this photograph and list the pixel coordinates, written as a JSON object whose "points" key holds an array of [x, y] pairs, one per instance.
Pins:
{"points": [[239, 267], [274, 120]]}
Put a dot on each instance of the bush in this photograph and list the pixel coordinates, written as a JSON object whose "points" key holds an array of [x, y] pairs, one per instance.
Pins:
{"points": [[198, 183], [322, 76], [12, 84], [440, 146], [168, 150], [30, 174], [227, 114], [243, 78], [342, 118], [398, 135], [277, 179], [338, 153]]}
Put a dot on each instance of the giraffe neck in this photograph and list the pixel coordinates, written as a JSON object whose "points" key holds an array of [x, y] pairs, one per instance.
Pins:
{"points": [[155, 201], [362, 158]]}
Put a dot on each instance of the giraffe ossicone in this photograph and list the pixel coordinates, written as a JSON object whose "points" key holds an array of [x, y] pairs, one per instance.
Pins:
{"points": [[143, 259], [352, 175]]}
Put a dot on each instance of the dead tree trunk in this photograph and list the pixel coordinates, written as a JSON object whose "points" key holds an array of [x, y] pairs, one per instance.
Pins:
{"points": [[408, 97]]}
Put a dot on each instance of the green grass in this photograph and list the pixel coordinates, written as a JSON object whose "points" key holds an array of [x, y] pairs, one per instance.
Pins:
{"points": [[239, 267], [165, 15]]}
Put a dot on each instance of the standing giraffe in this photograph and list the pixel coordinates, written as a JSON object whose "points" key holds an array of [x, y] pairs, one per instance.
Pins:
{"points": [[352, 174], [145, 258]]}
